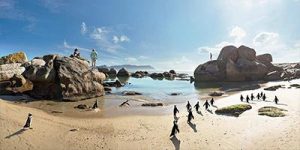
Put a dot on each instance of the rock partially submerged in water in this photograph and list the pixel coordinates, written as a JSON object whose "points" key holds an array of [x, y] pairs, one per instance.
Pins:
{"points": [[271, 111], [233, 110], [215, 93], [131, 93], [123, 73], [82, 106], [152, 104], [175, 94]]}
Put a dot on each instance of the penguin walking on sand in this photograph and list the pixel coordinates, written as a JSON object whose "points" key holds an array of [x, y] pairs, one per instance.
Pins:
{"points": [[175, 111], [206, 104], [174, 129], [28, 122], [242, 98], [188, 106], [247, 99], [197, 106], [252, 97], [276, 100], [190, 116], [264, 97], [258, 96], [212, 101]]}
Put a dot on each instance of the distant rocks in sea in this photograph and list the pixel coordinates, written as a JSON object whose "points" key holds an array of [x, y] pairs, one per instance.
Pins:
{"points": [[242, 64]]}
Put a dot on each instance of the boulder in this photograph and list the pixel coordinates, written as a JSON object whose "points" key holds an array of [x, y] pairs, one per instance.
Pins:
{"points": [[103, 70], [168, 75], [264, 58], [112, 72], [82, 106], [64, 78], [246, 53], [38, 62], [228, 53], [156, 75], [274, 75], [210, 71], [123, 73], [17, 85], [172, 71], [7, 71], [215, 93], [131, 93], [19, 57]]}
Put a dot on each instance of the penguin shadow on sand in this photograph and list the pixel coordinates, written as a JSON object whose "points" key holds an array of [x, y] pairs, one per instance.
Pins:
{"points": [[210, 111], [176, 142], [199, 112], [214, 106], [193, 126], [21, 131]]}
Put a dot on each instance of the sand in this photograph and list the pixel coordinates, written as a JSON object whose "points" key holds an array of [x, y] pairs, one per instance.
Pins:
{"points": [[208, 131]]}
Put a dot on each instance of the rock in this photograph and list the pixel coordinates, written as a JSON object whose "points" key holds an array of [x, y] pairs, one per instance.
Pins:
{"points": [[73, 130], [118, 83], [103, 70], [297, 66], [264, 58], [152, 104], [17, 85], [82, 106], [172, 71], [216, 93], [175, 94], [112, 72], [38, 62], [228, 53], [210, 71], [7, 71], [64, 78], [273, 88], [138, 74], [127, 93], [246, 53], [156, 75], [271, 111], [168, 75], [233, 110], [19, 57], [107, 89], [274, 75], [123, 73]]}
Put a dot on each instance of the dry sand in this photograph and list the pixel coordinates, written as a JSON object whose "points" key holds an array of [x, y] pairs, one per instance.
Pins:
{"points": [[210, 131]]}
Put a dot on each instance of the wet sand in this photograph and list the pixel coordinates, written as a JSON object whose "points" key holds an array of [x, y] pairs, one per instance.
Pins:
{"points": [[151, 130]]}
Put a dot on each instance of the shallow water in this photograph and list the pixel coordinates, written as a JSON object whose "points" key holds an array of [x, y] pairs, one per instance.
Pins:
{"points": [[161, 89]]}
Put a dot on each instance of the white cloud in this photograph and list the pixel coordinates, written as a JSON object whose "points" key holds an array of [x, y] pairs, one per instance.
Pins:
{"points": [[143, 57], [237, 33], [53, 6], [265, 38], [83, 28], [122, 38]]}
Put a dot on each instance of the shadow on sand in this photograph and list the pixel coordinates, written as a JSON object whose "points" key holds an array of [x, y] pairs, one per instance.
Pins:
{"points": [[176, 118], [282, 104], [210, 111], [200, 113], [16, 133], [214, 106], [176, 142], [193, 126]]}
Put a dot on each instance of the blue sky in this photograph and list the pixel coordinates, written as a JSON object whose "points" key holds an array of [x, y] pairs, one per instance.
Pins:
{"points": [[168, 34]]}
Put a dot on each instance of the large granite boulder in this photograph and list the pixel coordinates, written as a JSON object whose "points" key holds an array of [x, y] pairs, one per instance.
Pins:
{"points": [[19, 57], [210, 71], [123, 73], [246, 53], [236, 64], [16, 85], [228, 53], [64, 78], [7, 71]]}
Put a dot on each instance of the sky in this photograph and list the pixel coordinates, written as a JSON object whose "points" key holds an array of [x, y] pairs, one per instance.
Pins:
{"points": [[167, 34]]}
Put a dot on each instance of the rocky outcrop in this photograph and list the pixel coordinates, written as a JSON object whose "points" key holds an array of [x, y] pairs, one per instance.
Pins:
{"points": [[64, 78], [19, 57], [242, 64], [123, 73], [7, 71], [112, 72], [16, 85]]}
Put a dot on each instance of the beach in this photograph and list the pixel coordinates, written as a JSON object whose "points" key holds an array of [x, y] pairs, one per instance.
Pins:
{"points": [[151, 131]]}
